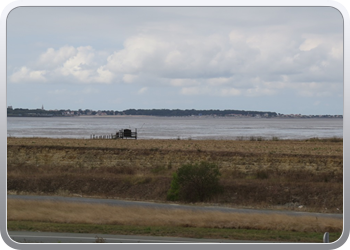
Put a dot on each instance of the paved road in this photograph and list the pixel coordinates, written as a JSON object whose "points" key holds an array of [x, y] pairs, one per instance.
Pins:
{"points": [[167, 205], [49, 237]]}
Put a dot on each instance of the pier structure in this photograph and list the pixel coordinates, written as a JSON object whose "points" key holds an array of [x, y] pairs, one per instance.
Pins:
{"points": [[121, 134]]}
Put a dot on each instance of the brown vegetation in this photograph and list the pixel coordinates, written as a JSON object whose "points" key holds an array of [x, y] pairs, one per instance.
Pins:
{"points": [[284, 173], [61, 212]]}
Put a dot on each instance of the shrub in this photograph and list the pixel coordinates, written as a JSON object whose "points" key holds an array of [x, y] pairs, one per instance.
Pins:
{"points": [[195, 182], [262, 174], [173, 193]]}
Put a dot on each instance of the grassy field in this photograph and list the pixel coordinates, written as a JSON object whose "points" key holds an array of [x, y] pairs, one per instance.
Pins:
{"points": [[66, 212], [190, 232], [277, 174], [93, 218], [280, 174]]}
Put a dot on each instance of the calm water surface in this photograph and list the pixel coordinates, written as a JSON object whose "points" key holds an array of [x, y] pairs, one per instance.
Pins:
{"points": [[175, 127]]}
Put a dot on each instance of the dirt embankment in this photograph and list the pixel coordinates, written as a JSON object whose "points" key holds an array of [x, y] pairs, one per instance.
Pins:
{"points": [[254, 174]]}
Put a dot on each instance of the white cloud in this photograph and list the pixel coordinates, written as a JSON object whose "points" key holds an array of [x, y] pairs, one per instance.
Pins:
{"points": [[310, 44], [236, 36], [137, 52], [244, 62], [337, 51], [77, 65], [54, 57], [183, 82], [277, 85], [25, 74], [174, 57], [219, 81], [179, 58], [230, 92], [259, 91], [195, 91], [128, 78], [142, 90], [104, 75], [314, 89], [210, 91], [186, 56], [65, 92]]}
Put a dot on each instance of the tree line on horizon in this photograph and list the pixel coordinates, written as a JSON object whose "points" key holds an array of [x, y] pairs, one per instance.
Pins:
{"points": [[146, 112], [194, 112]]}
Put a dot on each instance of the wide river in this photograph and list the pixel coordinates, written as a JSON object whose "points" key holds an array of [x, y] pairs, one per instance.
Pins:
{"points": [[176, 127]]}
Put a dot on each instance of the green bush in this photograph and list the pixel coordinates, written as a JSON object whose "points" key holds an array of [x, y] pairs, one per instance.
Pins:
{"points": [[195, 182], [173, 193]]}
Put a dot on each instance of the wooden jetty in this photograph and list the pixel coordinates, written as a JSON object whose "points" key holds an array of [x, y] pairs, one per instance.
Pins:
{"points": [[121, 134]]}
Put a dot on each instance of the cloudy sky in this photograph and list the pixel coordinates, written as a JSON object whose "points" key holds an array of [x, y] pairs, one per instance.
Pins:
{"points": [[281, 59]]}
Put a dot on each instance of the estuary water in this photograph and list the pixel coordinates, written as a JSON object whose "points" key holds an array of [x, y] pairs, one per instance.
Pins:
{"points": [[176, 127]]}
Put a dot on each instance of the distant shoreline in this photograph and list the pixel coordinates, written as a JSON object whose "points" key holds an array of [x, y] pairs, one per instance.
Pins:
{"points": [[158, 113], [155, 116]]}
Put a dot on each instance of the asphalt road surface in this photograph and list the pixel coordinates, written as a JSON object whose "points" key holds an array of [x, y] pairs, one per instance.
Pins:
{"points": [[168, 206], [49, 237]]}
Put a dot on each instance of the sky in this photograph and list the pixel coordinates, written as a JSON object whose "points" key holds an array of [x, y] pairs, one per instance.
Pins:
{"points": [[287, 60]]}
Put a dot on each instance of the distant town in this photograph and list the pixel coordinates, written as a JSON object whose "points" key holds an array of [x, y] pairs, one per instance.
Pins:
{"points": [[41, 112]]}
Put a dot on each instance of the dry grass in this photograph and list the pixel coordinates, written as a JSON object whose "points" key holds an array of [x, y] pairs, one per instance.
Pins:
{"points": [[60, 212], [163, 155], [254, 173], [300, 147]]}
